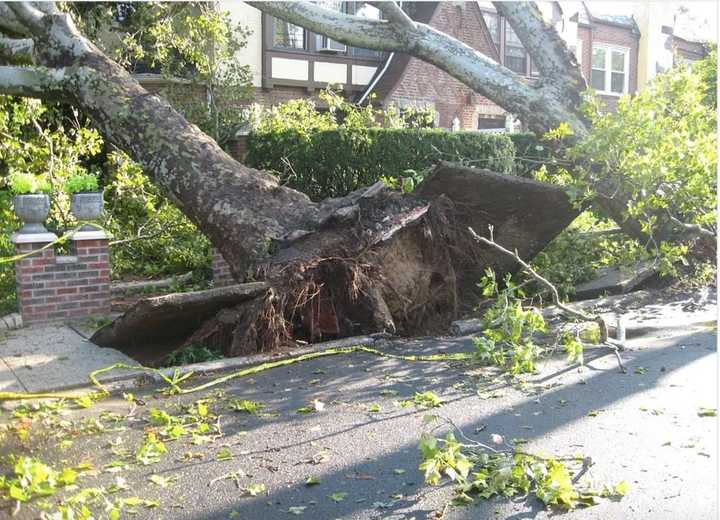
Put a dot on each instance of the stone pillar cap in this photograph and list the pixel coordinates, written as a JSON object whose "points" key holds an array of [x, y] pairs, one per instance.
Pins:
{"points": [[33, 238], [98, 234]]}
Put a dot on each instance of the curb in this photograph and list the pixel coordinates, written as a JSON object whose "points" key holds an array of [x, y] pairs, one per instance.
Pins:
{"points": [[137, 379]]}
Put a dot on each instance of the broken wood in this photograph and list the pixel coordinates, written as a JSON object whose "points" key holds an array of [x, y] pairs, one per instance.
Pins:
{"points": [[166, 321]]}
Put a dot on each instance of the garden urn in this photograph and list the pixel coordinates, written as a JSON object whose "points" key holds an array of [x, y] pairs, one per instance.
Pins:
{"points": [[86, 206], [32, 209]]}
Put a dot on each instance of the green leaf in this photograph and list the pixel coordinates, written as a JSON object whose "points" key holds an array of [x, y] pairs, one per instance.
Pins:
{"points": [[224, 454], [707, 412], [338, 497], [312, 481], [161, 481], [67, 476], [296, 510], [621, 488], [255, 489]]}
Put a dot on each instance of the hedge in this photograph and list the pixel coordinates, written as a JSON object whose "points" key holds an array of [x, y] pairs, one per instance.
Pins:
{"points": [[529, 153], [333, 163]]}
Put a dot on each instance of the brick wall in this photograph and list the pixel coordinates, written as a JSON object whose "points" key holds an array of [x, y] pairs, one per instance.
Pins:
{"points": [[425, 84], [221, 270], [51, 287]]}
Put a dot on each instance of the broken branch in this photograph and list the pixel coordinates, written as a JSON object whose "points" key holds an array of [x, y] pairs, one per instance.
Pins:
{"points": [[615, 347]]}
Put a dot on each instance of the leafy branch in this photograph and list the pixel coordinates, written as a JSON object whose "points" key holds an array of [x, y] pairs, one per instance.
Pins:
{"points": [[613, 345]]}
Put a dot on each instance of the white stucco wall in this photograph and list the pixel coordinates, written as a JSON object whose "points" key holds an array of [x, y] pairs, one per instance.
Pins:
{"points": [[330, 72], [284, 68], [362, 74], [250, 18]]}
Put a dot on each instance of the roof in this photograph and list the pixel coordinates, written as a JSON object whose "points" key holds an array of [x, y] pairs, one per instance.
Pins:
{"points": [[619, 20]]}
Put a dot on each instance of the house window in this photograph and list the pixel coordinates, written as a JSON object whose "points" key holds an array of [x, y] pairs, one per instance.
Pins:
{"points": [[610, 69], [287, 35], [515, 54], [512, 53]]}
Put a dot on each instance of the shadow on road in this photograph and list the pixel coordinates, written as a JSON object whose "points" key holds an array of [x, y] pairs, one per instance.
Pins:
{"points": [[362, 378]]}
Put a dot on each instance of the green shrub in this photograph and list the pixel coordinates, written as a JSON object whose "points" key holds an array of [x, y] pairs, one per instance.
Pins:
{"points": [[530, 153], [82, 183], [331, 163], [27, 183], [8, 223], [153, 237]]}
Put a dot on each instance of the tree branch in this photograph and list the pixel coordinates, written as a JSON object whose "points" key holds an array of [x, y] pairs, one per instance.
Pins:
{"points": [[548, 50], [32, 81], [27, 15], [614, 345], [351, 30], [695, 229], [46, 7], [9, 22], [394, 14], [16, 49]]}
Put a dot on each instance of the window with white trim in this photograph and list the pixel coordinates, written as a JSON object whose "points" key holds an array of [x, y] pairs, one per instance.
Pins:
{"points": [[609, 73]]}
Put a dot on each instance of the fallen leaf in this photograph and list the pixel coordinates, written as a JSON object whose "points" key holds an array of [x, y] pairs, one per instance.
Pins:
{"points": [[255, 489]]}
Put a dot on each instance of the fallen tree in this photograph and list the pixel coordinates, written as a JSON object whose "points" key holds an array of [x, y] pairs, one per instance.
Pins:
{"points": [[381, 261], [372, 260]]}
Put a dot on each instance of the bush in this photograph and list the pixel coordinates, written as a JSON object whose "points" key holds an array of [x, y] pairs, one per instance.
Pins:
{"points": [[82, 183], [27, 183], [153, 238], [331, 163], [530, 153]]}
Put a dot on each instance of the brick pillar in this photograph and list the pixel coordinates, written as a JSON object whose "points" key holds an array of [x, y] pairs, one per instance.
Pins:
{"points": [[221, 270], [51, 287], [238, 145]]}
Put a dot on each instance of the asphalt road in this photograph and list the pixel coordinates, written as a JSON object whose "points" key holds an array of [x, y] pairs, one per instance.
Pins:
{"points": [[642, 427]]}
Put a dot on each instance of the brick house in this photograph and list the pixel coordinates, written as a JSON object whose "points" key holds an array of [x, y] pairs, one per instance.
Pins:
{"points": [[290, 62]]}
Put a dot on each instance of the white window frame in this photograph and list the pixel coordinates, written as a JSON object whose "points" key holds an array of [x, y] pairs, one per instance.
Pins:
{"points": [[608, 68]]}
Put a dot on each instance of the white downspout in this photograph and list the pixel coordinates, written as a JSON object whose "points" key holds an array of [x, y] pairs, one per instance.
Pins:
{"points": [[379, 76]]}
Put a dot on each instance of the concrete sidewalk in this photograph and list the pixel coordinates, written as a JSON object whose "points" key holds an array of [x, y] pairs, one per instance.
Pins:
{"points": [[50, 357]]}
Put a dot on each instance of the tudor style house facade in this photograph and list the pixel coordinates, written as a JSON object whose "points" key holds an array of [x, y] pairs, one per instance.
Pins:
{"points": [[614, 54]]}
